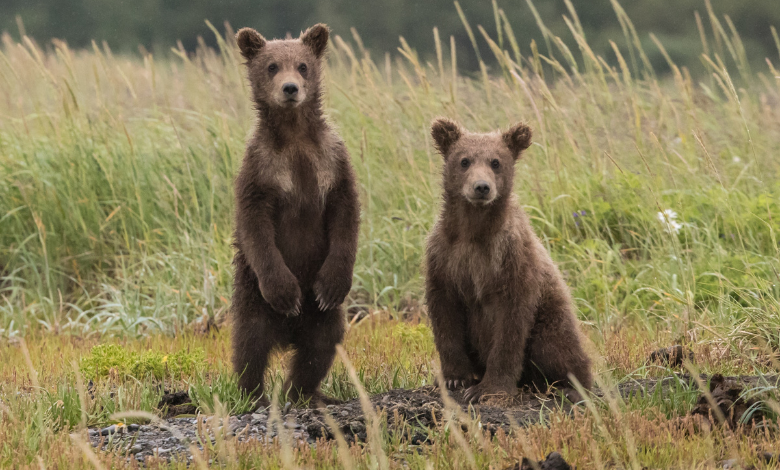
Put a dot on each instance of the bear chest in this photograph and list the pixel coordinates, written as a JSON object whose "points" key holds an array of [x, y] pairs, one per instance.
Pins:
{"points": [[474, 270], [306, 175]]}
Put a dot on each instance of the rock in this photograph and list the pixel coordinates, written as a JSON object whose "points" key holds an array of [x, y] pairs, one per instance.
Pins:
{"points": [[136, 449], [730, 463], [113, 429], [672, 356]]}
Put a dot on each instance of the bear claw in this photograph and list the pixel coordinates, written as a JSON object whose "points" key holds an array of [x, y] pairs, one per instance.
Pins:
{"points": [[454, 384], [477, 392]]}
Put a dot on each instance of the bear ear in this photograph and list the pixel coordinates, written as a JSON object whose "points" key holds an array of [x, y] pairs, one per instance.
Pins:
{"points": [[250, 42], [445, 133], [517, 138], [316, 38]]}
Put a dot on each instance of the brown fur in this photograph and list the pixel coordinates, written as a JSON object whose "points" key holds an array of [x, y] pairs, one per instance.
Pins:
{"points": [[500, 310], [297, 219]]}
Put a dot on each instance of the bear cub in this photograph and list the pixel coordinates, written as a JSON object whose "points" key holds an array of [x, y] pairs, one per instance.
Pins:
{"points": [[501, 313], [297, 219]]}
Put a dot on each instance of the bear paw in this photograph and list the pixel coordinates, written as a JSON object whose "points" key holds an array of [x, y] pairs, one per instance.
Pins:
{"points": [[486, 389], [283, 294], [453, 383], [331, 290]]}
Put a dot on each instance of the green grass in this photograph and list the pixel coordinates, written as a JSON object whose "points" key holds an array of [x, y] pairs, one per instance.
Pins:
{"points": [[116, 228]]}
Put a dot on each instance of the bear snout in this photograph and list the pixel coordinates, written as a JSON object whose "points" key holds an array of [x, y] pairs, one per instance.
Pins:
{"points": [[479, 188], [482, 189], [290, 90]]}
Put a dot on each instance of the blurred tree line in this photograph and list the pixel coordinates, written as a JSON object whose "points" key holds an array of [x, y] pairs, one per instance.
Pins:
{"points": [[158, 24]]}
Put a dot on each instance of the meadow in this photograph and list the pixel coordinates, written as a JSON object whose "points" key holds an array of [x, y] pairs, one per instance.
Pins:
{"points": [[658, 193]]}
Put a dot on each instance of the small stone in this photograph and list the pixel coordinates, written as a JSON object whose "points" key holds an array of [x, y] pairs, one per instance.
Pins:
{"points": [[286, 407], [345, 413], [331, 407], [133, 427], [93, 432], [136, 449], [145, 428], [111, 430]]}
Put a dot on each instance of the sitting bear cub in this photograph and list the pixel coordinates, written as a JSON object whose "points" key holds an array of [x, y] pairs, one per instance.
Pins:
{"points": [[501, 313], [297, 219]]}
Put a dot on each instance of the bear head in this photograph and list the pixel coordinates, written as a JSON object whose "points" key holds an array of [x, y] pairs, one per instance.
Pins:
{"points": [[479, 167], [284, 73]]}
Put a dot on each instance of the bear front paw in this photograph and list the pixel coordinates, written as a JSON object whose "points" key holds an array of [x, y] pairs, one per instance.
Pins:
{"points": [[458, 383], [488, 389], [283, 294], [331, 289]]}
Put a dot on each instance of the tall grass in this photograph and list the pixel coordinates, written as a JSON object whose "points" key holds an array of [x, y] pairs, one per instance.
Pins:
{"points": [[116, 175]]}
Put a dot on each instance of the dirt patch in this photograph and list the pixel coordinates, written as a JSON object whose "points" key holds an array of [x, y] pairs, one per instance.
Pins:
{"points": [[420, 409], [727, 403], [553, 461], [175, 404], [673, 356]]}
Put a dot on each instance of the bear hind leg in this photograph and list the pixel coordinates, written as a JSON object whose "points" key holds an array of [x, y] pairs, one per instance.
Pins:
{"points": [[256, 331], [315, 348]]}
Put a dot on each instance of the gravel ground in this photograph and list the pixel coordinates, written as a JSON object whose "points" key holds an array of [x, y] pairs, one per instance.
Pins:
{"points": [[421, 408]]}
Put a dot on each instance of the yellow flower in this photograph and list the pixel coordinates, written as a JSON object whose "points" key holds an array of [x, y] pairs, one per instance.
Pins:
{"points": [[164, 359]]}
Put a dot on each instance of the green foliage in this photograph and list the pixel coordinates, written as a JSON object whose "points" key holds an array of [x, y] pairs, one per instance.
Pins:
{"points": [[415, 334], [211, 393], [112, 360]]}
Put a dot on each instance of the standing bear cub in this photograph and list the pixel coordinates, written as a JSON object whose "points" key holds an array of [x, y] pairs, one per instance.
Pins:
{"points": [[500, 311], [297, 219]]}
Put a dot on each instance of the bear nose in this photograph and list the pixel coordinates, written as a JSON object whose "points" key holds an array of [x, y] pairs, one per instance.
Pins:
{"points": [[290, 89], [482, 188]]}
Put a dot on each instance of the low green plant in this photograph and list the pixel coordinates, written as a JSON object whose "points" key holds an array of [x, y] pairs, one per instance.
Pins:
{"points": [[112, 360]]}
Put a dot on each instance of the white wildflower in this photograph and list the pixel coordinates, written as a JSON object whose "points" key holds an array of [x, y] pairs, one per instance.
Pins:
{"points": [[736, 159], [669, 219]]}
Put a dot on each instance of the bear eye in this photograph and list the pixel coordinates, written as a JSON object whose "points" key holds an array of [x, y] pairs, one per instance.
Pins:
{"points": [[302, 68], [464, 163], [273, 68], [495, 164]]}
